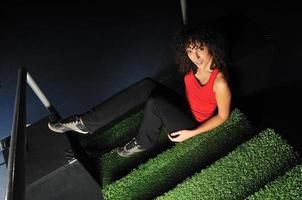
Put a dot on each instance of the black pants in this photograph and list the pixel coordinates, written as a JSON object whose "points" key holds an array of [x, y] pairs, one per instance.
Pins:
{"points": [[164, 107]]}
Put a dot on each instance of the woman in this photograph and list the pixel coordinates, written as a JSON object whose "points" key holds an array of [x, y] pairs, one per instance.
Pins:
{"points": [[201, 55]]}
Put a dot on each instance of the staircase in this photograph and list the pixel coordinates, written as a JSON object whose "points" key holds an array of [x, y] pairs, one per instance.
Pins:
{"points": [[233, 161]]}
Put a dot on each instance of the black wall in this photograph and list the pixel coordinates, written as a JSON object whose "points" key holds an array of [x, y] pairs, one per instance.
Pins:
{"points": [[265, 39], [82, 54]]}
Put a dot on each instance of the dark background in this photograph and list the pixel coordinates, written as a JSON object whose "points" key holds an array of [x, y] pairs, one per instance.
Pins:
{"points": [[82, 54]]}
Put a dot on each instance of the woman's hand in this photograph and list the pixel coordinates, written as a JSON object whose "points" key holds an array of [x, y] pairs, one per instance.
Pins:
{"points": [[180, 136]]}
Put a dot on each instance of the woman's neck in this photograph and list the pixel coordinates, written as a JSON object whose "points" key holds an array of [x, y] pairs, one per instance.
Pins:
{"points": [[203, 70], [203, 76]]}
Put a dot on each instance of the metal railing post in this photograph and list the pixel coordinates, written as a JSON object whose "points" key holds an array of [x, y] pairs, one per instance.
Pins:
{"points": [[15, 189], [183, 5]]}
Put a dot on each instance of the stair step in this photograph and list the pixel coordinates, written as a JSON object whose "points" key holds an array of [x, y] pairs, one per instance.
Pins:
{"points": [[163, 172], [109, 138], [113, 167], [285, 187], [242, 172]]}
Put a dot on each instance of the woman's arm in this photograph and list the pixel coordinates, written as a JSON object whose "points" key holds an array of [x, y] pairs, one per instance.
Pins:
{"points": [[223, 98]]}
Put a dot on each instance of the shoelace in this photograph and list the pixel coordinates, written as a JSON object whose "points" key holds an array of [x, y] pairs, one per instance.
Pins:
{"points": [[131, 144]]}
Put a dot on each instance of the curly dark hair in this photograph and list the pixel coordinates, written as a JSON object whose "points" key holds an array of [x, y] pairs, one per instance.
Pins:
{"points": [[205, 35]]}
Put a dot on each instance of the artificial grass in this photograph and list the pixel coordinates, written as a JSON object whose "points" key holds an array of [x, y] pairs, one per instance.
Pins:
{"points": [[113, 167], [240, 173], [285, 187], [169, 168], [117, 135]]}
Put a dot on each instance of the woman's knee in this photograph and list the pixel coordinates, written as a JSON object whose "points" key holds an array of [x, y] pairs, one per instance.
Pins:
{"points": [[151, 100], [154, 100]]}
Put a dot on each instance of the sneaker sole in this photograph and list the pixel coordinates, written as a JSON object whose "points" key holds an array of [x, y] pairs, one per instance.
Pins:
{"points": [[122, 155], [54, 130], [81, 132]]}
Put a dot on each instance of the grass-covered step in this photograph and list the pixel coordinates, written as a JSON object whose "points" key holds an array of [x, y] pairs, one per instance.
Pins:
{"points": [[113, 167], [118, 134], [285, 187], [241, 173], [163, 172]]}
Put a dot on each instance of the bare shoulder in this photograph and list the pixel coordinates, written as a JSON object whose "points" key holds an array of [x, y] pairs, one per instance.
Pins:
{"points": [[220, 83]]}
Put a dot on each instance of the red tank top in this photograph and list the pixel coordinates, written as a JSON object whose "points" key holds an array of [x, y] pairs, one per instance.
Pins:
{"points": [[201, 98]]}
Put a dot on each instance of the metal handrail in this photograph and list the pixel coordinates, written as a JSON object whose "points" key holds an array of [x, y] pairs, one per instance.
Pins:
{"points": [[54, 115], [15, 189]]}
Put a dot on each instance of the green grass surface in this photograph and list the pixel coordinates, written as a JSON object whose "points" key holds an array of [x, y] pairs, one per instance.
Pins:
{"points": [[117, 135], [169, 168], [240, 173], [113, 167], [105, 140], [285, 187]]}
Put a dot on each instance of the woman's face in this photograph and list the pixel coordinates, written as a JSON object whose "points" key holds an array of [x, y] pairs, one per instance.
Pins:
{"points": [[199, 55]]}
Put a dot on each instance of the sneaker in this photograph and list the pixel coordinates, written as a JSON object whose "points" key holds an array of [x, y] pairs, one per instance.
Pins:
{"points": [[130, 148], [73, 123]]}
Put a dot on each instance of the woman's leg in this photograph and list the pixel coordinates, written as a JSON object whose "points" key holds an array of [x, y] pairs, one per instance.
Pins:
{"points": [[106, 112], [163, 108], [167, 109]]}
